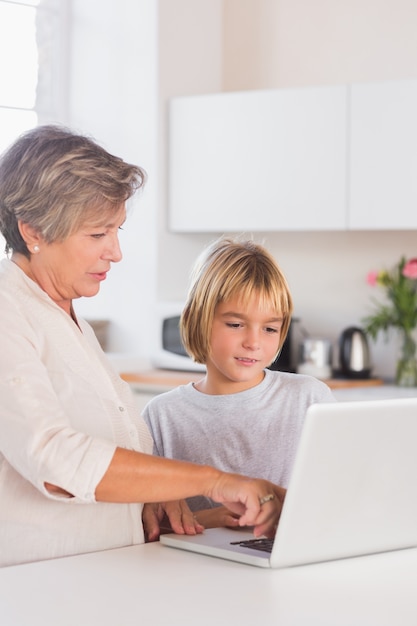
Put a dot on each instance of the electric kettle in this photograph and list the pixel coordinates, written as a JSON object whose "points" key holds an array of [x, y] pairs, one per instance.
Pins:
{"points": [[354, 353]]}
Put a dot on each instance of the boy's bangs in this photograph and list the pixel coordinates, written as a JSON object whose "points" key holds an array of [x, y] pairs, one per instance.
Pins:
{"points": [[267, 298]]}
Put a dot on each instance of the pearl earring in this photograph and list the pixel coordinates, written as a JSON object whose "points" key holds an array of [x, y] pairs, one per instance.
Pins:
{"points": [[36, 248]]}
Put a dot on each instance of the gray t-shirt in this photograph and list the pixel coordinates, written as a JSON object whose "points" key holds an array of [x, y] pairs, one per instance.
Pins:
{"points": [[253, 432]]}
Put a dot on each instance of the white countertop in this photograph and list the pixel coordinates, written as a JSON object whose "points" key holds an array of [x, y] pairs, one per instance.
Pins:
{"points": [[160, 586], [382, 392]]}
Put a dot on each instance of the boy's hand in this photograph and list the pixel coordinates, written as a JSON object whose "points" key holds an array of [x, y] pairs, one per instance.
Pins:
{"points": [[163, 517]]}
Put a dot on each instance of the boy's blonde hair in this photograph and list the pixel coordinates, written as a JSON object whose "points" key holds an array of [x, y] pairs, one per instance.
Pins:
{"points": [[228, 268]]}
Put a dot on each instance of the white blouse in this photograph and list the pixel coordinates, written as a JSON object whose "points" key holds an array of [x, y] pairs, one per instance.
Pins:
{"points": [[63, 412]]}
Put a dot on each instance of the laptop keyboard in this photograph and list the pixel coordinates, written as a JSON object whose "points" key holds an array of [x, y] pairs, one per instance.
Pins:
{"points": [[263, 544]]}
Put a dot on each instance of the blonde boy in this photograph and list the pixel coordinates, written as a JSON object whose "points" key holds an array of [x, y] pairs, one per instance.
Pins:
{"points": [[241, 416]]}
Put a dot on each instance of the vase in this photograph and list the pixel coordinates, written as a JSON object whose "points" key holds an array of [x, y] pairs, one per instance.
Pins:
{"points": [[406, 372]]}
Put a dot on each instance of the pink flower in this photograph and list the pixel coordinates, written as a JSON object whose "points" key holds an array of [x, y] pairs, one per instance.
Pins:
{"points": [[410, 269], [372, 278]]}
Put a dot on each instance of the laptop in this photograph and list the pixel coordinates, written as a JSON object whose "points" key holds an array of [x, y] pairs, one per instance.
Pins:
{"points": [[352, 492]]}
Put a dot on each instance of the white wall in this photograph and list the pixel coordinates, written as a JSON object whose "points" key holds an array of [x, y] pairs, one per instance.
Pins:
{"points": [[114, 98], [285, 43]]}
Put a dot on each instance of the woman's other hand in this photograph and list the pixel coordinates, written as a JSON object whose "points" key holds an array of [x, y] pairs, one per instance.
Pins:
{"points": [[217, 517], [163, 517]]}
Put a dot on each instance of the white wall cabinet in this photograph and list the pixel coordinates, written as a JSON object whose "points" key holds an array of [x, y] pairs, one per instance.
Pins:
{"points": [[325, 158], [259, 160], [383, 156]]}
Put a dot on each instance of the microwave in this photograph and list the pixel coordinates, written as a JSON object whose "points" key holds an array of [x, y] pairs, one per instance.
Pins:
{"points": [[171, 353]]}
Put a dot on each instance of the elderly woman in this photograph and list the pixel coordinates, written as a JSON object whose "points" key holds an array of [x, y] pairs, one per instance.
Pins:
{"points": [[75, 457]]}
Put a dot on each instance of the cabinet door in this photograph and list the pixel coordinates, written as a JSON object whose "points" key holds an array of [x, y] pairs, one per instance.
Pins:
{"points": [[258, 161], [383, 156]]}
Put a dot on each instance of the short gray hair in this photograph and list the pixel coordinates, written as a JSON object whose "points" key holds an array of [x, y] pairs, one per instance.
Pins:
{"points": [[55, 180]]}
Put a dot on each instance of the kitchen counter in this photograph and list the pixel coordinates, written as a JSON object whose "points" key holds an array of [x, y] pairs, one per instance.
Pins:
{"points": [[154, 381], [160, 378], [158, 585]]}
